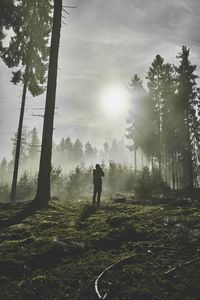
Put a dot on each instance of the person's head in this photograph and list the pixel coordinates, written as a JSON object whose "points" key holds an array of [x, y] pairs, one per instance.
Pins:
{"points": [[98, 166]]}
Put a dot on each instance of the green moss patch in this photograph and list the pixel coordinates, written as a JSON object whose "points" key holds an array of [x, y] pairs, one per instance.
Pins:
{"points": [[58, 252]]}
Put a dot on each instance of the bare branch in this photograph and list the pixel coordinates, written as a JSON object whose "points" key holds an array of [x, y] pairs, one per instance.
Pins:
{"points": [[64, 23], [37, 115], [66, 11], [69, 6]]}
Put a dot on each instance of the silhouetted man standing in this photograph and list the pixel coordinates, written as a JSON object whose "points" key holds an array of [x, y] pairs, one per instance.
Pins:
{"points": [[97, 181]]}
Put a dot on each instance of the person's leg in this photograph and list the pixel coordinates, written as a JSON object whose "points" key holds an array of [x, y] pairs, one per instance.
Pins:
{"points": [[94, 195], [99, 195]]}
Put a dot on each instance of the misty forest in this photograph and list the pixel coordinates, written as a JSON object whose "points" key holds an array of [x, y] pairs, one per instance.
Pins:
{"points": [[100, 150]]}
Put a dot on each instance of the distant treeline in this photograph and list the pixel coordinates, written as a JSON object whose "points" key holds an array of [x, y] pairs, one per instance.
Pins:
{"points": [[67, 154], [164, 120], [77, 183]]}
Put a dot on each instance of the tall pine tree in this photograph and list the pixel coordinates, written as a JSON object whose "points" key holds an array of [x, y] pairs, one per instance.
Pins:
{"points": [[28, 50], [154, 77], [188, 101], [43, 187], [136, 115]]}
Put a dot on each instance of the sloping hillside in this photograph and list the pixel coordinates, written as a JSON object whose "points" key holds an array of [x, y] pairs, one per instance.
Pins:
{"points": [[59, 252]]}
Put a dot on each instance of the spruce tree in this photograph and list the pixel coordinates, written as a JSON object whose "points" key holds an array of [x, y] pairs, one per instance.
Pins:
{"points": [[33, 145], [169, 125], [77, 151], [154, 77], [90, 153], [28, 50], [69, 148], [23, 146], [3, 170], [136, 116], [188, 124], [9, 18]]}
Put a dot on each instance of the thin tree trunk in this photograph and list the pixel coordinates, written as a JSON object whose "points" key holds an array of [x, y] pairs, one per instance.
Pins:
{"points": [[173, 173], [185, 170], [43, 187], [18, 144], [135, 159], [190, 184], [164, 172], [160, 122], [159, 160], [142, 160], [152, 163], [177, 171]]}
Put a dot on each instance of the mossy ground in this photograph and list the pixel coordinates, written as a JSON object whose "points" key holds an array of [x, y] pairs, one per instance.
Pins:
{"points": [[58, 252]]}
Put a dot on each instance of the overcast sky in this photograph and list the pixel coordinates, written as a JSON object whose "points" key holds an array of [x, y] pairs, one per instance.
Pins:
{"points": [[104, 44]]}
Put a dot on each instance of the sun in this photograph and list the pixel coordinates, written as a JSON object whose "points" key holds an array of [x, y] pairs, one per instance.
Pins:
{"points": [[114, 100]]}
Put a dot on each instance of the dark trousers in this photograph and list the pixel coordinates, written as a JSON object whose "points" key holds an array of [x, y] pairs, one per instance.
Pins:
{"points": [[97, 194]]}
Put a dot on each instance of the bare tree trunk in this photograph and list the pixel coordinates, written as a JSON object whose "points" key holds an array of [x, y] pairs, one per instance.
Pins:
{"points": [[18, 144], [164, 171], [190, 183], [135, 159], [142, 160], [152, 163], [177, 171], [173, 173], [43, 187], [160, 147], [159, 162]]}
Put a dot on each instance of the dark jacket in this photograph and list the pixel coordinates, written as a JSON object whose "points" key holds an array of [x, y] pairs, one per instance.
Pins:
{"points": [[97, 174]]}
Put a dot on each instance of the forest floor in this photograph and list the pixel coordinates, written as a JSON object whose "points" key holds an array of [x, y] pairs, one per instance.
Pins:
{"points": [[59, 251]]}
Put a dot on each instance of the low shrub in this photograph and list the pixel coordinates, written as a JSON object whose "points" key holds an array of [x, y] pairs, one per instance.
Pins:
{"points": [[150, 183]]}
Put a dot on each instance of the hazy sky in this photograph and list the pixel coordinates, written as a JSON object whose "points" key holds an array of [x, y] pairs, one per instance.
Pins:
{"points": [[105, 43]]}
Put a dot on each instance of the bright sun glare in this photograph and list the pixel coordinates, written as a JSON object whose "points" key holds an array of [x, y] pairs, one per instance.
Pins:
{"points": [[115, 101]]}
